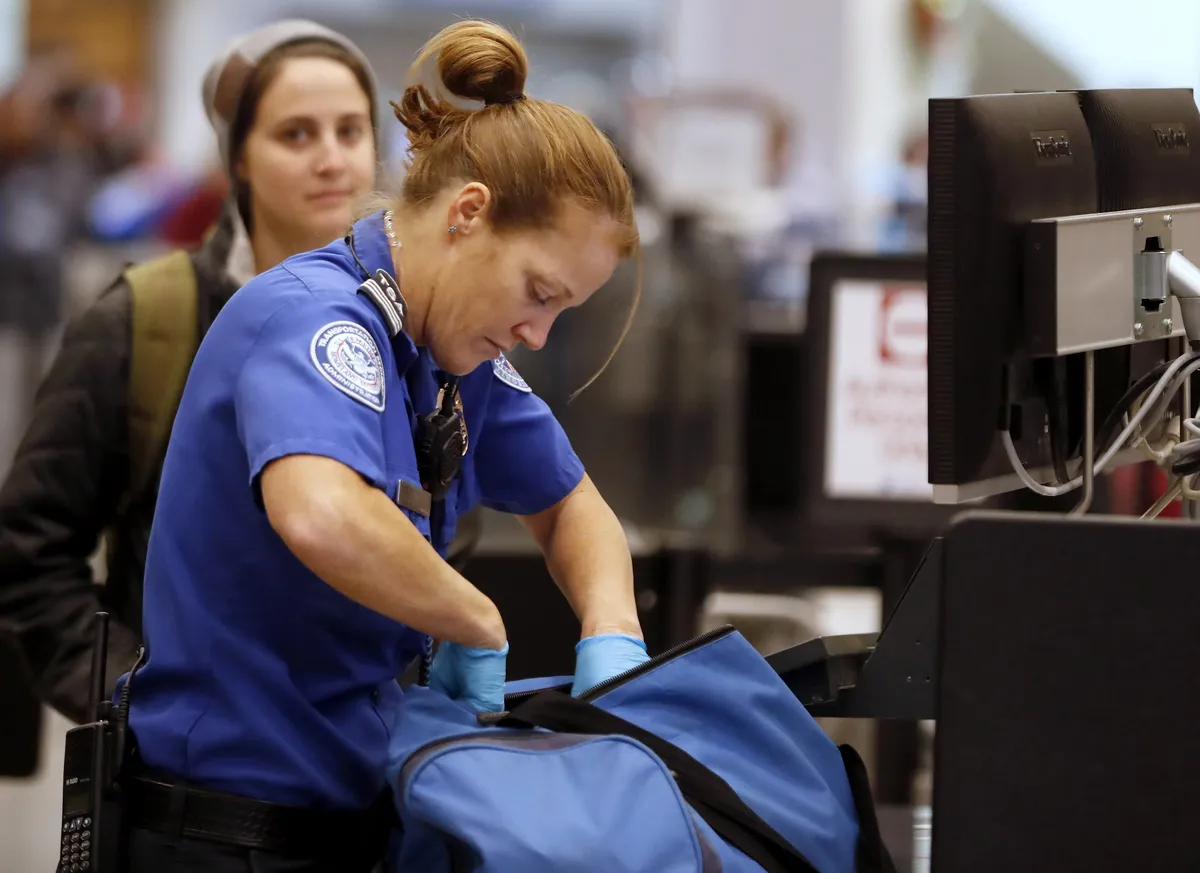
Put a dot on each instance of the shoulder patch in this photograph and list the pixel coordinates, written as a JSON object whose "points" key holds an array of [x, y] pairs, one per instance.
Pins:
{"points": [[508, 374], [345, 353]]}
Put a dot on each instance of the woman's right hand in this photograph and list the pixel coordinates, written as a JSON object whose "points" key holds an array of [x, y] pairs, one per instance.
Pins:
{"points": [[473, 675]]}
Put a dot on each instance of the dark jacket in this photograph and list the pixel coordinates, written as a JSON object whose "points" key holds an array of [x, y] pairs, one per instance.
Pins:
{"points": [[66, 480]]}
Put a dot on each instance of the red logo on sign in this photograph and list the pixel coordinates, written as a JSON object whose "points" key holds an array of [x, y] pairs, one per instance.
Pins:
{"points": [[904, 326]]}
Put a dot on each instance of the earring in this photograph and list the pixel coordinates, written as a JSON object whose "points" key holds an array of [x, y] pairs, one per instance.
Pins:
{"points": [[453, 229]]}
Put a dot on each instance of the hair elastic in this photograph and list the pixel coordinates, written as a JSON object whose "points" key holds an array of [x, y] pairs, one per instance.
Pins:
{"points": [[511, 97]]}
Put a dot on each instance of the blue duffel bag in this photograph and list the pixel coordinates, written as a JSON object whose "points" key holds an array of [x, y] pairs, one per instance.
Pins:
{"points": [[699, 760]]}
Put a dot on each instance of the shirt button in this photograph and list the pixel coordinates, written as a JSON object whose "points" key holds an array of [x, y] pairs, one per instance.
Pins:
{"points": [[375, 696]]}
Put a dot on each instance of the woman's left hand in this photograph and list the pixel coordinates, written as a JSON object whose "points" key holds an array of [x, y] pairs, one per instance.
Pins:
{"points": [[601, 657]]}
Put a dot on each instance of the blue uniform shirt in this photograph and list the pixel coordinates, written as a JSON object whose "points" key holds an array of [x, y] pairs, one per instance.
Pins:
{"points": [[262, 680]]}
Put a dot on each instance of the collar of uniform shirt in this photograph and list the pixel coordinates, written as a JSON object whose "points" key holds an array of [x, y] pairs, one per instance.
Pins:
{"points": [[371, 245]]}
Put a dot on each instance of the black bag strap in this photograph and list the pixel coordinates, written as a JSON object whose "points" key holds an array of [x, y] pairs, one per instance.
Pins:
{"points": [[872, 855], [708, 794]]}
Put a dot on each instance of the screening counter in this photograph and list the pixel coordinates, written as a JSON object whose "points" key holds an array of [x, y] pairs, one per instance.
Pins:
{"points": [[1055, 655]]}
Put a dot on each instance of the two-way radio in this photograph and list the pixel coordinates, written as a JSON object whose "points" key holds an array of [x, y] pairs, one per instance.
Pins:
{"points": [[441, 442], [91, 811]]}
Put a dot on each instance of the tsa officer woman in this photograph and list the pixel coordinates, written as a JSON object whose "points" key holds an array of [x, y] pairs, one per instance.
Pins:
{"points": [[295, 564]]}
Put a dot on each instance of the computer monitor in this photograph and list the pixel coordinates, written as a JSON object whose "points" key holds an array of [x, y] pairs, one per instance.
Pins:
{"points": [[866, 445], [1141, 139], [1028, 272]]}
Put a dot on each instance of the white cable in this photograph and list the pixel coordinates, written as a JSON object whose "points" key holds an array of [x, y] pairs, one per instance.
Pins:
{"points": [[1158, 454], [1057, 490], [1187, 483], [1163, 454], [1160, 408], [1191, 425]]}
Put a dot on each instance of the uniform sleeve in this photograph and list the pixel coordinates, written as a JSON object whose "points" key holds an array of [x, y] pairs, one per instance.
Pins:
{"points": [[524, 462], [314, 383]]}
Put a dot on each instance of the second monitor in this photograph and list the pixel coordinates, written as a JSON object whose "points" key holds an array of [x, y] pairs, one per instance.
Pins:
{"points": [[1009, 323]]}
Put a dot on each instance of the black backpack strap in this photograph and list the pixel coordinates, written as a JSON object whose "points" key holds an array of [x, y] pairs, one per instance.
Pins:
{"points": [[872, 855], [708, 794]]}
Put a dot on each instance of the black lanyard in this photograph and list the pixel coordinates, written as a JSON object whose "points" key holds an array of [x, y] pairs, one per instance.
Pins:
{"points": [[440, 438]]}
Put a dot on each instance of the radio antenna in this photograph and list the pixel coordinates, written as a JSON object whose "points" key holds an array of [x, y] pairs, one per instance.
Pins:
{"points": [[96, 701]]}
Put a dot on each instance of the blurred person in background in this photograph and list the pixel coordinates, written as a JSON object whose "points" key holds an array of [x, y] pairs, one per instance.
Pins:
{"points": [[904, 226], [293, 107], [58, 142], [186, 223]]}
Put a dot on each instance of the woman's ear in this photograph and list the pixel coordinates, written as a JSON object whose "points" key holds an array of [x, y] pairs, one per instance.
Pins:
{"points": [[469, 209], [240, 173]]}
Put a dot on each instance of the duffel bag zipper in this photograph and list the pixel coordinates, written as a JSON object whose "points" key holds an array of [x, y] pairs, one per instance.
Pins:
{"points": [[657, 661], [511, 701], [518, 697]]}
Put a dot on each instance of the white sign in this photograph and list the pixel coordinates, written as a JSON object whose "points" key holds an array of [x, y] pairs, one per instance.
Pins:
{"points": [[876, 437], [705, 155]]}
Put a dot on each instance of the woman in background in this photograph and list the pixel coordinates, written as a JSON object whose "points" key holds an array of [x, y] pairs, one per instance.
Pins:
{"points": [[293, 108]]}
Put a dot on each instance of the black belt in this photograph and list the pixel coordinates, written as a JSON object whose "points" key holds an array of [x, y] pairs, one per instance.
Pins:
{"points": [[211, 816]]}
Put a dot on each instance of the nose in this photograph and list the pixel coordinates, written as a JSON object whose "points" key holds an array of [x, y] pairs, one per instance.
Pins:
{"points": [[533, 334], [331, 156]]}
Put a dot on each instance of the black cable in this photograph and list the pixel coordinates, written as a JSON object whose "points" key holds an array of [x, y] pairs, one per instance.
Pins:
{"points": [[121, 731], [1059, 417], [1189, 463], [1111, 427], [349, 240], [122, 712], [1051, 379]]}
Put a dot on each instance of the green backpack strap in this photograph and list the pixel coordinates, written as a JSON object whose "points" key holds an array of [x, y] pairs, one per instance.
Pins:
{"points": [[164, 341]]}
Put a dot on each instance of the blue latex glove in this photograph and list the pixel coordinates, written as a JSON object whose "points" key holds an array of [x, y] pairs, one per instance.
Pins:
{"points": [[475, 676], [604, 656]]}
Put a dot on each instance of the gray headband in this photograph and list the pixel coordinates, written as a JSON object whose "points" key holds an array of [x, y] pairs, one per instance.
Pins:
{"points": [[227, 76]]}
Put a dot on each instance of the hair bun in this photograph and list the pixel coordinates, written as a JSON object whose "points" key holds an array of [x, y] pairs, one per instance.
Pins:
{"points": [[478, 60]]}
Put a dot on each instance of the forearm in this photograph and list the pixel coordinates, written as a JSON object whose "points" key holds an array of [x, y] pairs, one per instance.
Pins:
{"points": [[587, 554], [355, 539]]}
